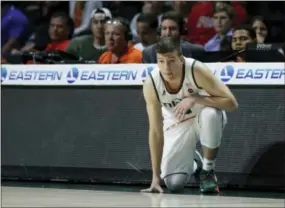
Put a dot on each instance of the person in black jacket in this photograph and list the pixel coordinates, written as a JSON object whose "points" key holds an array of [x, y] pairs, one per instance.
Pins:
{"points": [[172, 25]]}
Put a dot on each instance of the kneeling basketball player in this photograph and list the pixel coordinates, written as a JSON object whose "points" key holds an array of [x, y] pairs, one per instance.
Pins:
{"points": [[185, 103]]}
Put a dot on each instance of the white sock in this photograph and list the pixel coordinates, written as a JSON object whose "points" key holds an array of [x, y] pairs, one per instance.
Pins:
{"points": [[195, 166], [208, 164]]}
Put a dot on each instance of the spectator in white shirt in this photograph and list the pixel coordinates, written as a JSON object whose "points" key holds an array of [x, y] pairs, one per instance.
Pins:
{"points": [[80, 12]]}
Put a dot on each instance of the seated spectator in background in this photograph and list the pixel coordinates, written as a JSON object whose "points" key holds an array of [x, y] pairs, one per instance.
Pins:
{"points": [[155, 7], [54, 35], [183, 8], [200, 24], [147, 25], [60, 31], [124, 9], [91, 47], [259, 25], [223, 16], [80, 12], [13, 26], [242, 35], [172, 25], [117, 37]]}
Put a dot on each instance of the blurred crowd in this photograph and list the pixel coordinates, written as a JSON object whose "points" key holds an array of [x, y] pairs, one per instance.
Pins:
{"points": [[126, 31]]}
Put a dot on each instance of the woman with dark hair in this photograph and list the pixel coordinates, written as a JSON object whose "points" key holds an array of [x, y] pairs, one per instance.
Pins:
{"points": [[258, 23]]}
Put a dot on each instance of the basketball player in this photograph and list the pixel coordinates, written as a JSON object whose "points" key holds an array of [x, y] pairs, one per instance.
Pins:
{"points": [[185, 103]]}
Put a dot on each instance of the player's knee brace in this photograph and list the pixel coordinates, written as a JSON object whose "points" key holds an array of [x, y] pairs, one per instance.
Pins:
{"points": [[211, 127], [176, 182]]}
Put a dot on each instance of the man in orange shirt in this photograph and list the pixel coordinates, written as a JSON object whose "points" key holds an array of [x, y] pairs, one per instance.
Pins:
{"points": [[52, 36], [60, 31], [117, 37]]}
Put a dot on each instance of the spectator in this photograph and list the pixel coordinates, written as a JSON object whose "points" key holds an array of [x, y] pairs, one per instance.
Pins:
{"points": [[242, 36], [80, 12], [91, 47], [39, 39], [50, 7], [183, 8], [147, 25], [172, 25], [155, 7], [60, 31], [261, 30], [200, 24], [124, 9], [223, 16], [13, 26], [117, 36]]}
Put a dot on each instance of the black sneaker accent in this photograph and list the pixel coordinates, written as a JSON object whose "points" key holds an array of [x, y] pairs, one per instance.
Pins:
{"points": [[208, 182]]}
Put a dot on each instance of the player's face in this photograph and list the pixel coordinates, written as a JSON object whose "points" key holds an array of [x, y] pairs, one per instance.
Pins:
{"points": [[170, 65]]}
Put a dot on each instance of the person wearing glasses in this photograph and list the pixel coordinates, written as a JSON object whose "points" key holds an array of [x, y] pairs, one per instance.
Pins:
{"points": [[117, 37]]}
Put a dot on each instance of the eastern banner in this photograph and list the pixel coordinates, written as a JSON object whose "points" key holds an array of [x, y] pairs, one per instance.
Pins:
{"points": [[134, 74]]}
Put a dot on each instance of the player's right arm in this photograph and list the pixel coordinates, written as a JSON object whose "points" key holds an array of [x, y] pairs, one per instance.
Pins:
{"points": [[155, 127]]}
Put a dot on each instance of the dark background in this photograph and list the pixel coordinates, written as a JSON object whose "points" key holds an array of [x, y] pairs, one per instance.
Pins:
{"points": [[100, 134]]}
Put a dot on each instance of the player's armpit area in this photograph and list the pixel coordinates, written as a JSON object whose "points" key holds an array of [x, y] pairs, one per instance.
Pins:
{"points": [[153, 106], [221, 95]]}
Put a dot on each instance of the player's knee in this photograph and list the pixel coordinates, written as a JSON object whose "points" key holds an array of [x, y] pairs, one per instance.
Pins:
{"points": [[176, 182], [211, 123], [210, 114]]}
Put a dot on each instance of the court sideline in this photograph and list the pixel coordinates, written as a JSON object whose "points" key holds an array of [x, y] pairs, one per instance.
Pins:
{"points": [[71, 195]]}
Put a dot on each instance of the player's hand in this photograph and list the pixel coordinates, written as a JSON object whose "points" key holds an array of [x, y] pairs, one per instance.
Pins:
{"points": [[181, 108], [154, 187]]}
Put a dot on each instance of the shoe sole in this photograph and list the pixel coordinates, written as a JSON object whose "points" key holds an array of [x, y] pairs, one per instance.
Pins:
{"points": [[210, 190]]}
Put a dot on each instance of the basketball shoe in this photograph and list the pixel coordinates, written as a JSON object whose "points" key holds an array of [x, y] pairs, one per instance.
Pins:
{"points": [[208, 182]]}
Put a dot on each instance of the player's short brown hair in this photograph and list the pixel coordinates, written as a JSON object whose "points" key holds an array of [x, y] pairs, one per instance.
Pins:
{"points": [[168, 45]]}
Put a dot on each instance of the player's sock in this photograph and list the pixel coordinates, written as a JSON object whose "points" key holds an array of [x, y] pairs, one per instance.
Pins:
{"points": [[208, 164], [208, 179], [195, 166]]}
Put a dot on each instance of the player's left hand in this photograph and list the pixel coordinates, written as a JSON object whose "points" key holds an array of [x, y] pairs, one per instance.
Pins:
{"points": [[184, 106]]}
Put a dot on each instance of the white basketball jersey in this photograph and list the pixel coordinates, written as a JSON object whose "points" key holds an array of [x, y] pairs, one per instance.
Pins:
{"points": [[169, 100]]}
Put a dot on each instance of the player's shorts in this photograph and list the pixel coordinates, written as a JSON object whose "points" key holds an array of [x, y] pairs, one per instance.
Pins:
{"points": [[179, 147]]}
